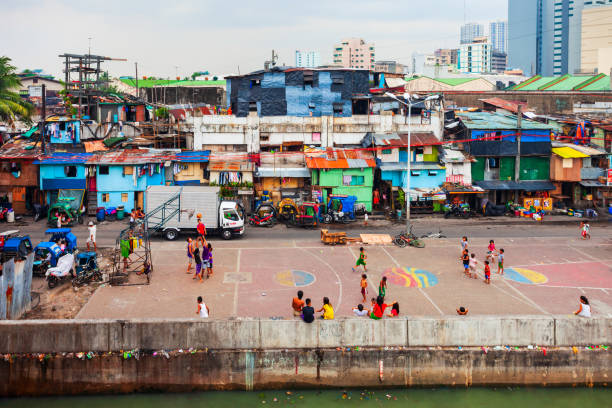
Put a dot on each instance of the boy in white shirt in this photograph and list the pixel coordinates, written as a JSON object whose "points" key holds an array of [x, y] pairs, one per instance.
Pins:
{"points": [[91, 238]]}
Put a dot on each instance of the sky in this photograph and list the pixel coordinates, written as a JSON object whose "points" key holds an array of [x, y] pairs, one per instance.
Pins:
{"points": [[226, 37]]}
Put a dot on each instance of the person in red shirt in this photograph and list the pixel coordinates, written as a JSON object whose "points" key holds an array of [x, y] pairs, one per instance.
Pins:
{"points": [[298, 304], [487, 273], [201, 229], [378, 308]]}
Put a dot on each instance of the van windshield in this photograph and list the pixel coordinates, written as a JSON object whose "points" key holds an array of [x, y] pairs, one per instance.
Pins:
{"points": [[231, 214]]}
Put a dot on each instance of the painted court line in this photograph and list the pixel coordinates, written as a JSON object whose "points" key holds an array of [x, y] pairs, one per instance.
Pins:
{"points": [[335, 273], [420, 289], [235, 307]]}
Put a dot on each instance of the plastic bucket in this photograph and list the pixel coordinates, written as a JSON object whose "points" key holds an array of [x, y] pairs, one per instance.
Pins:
{"points": [[120, 212], [10, 216], [100, 214]]}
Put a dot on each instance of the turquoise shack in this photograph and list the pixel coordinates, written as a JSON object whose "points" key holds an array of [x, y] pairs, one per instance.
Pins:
{"points": [[64, 175]]}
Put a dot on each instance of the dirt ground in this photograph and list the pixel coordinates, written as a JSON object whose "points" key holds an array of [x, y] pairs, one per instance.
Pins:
{"points": [[64, 301]]}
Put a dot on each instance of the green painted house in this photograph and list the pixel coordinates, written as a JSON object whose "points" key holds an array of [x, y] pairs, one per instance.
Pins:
{"points": [[342, 172]]}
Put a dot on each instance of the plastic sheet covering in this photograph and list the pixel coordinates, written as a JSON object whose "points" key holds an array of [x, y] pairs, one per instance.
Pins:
{"points": [[15, 287], [76, 194]]}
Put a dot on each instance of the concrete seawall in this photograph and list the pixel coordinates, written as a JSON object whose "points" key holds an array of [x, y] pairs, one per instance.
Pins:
{"points": [[50, 357]]}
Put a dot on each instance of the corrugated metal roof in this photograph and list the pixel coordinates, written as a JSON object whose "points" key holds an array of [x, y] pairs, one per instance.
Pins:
{"points": [[568, 153], [230, 166], [503, 104], [95, 146], [588, 150], [497, 121], [591, 183], [513, 185], [339, 159], [197, 156], [297, 172], [591, 173], [130, 156], [65, 158], [18, 149], [401, 166]]}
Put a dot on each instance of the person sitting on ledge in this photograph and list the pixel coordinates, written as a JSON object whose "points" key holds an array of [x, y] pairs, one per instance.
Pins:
{"points": [[462, 311]]}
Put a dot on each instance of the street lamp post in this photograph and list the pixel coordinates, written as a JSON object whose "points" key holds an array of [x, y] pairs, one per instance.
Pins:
{"points": [[409, 105]]}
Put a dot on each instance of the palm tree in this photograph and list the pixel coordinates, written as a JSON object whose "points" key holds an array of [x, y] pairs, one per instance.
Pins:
{"points": [[12, 107]]}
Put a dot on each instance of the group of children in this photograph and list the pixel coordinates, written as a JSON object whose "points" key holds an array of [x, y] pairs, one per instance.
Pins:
{"points": [[470, 262], [304, 309], [203, 261]]}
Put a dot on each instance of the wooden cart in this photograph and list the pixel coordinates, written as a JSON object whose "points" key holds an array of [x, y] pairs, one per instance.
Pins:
{"points": [[333, 238]]}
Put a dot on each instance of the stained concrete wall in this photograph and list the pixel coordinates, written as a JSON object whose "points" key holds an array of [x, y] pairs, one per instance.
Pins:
{"points": [[44, 336]]}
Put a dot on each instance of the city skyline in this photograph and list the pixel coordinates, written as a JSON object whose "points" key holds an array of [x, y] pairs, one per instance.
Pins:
{"points": [[205, 39]]}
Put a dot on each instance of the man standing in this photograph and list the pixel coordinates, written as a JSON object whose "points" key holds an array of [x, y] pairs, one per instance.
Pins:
{"points": [[201, 229], [91, 229]]}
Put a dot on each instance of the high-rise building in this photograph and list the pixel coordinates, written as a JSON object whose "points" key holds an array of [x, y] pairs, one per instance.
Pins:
{"points": [[596, 50], [355, 53], [446, 56], [544, 36], [470, 31], [498, 61], [498, 34], [307, 59], [475, 57]]}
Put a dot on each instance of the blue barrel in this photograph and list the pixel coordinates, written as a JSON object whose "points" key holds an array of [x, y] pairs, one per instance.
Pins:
{"points": [[100, 214]]}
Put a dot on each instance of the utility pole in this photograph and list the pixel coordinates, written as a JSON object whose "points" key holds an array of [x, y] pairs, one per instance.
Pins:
{"points": [[44, 118], [517, 159], [137, 89]]}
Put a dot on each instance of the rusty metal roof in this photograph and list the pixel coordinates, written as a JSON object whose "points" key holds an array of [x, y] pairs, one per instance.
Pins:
{"points": [[339, 159], [131, 156], [504, 104], [228, 165], [95, 146], [20, 149]]}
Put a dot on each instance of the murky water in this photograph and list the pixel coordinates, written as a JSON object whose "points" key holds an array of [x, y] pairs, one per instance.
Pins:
{"points": [[510, 397]]}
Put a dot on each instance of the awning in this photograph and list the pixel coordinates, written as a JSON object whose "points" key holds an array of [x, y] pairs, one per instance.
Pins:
{"points": [[591, 183], [513, 185], [568, 153], [297, 172], [401, 166]]}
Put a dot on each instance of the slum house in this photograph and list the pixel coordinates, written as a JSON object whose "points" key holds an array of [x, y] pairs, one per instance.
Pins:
{"points": [[63, 130], [64, 175], [189, 168], [348, 172], [282, 175], [300, 92], [234, 173], [494, 146], [122, 176], [426, 173], [594, 188], [19, 175], [458, 185]]}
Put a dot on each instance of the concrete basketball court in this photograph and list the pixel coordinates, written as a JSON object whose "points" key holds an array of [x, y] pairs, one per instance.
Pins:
{"points": [[259, 278]]}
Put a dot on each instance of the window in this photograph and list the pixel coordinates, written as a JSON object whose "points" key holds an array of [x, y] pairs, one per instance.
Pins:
{"points": [[414, 174], [124, 197], [255, 82], [567, 163], [353, 180], [264, 136], [128, 170], [103, 170], [338, 80], [105, 198], [231, 215], [70, 171], [432, 173], [316, 136], [338, 107]]}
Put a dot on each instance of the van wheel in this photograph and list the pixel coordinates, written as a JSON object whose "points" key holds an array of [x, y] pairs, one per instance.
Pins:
{"points": [[226, 234], [171, 234]]}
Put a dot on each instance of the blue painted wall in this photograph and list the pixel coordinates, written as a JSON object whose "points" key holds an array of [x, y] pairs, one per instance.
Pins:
{"points": [[63, 136], [56, 171], [423, 180], [115, 182]]}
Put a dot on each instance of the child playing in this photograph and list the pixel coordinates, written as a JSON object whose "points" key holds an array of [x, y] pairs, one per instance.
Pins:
{"points": [[491, 250], [364, 286], [203, 311], [394, 312], [382, 287], [473, 263], [586, 228], [500, 261], [465, 258], [487, 273], [462, 311], [361, 260], [360, 311], [209, 269], [464, 244]]}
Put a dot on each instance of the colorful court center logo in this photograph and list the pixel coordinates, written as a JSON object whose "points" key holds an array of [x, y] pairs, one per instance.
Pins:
{"points": [[525, 276], [295, 278], [411, 277]]}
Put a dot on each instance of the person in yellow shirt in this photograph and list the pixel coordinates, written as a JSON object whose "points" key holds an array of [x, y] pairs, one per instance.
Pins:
{"points": [[327, 309]]}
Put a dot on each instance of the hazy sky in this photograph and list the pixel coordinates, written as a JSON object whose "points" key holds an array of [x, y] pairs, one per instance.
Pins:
{"points": [[219, 36]]}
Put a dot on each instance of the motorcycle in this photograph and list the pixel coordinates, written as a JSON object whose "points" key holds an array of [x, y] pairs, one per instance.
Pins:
{"points": [[455, 210], [408, 238], [336, 216], [3, 214], [266, 221]]}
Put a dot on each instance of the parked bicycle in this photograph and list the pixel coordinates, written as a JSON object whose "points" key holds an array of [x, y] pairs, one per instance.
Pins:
{"points": [[408, 238], [438, 234]]}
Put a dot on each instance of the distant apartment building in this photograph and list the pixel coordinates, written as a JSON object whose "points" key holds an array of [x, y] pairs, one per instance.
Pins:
{"points": [[596, 38], [307, 59], [355, 53], [475, 57], [498, 61], [390, 66], [446, 56], [470, 31], [544, 36], [498, 34]]}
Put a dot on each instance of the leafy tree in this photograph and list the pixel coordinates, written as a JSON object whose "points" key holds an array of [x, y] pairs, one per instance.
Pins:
{"points": [[12, 107]]}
